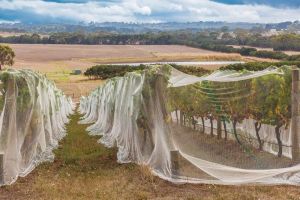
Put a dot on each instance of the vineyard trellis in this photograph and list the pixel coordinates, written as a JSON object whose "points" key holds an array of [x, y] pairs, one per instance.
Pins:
{"points": [[247, 124]]}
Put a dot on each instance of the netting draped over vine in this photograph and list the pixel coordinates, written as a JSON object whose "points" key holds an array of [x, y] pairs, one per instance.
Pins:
{"points": [[33, 114], [225, 128]]}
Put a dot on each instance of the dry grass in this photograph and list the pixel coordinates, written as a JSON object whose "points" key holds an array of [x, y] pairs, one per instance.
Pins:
{"points": [[52, 58], [74, 86], [84, 169], [169, 57]]}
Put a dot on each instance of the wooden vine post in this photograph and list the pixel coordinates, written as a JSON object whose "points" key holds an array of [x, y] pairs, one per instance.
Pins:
{"points": [[1, 168], [295, 121], [174, 161]]}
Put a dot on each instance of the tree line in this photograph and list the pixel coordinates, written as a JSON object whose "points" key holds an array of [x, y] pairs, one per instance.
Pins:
{"points": [[214, 40]]}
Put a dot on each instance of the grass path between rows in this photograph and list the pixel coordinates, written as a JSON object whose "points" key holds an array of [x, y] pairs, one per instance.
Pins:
{"points": [[84, 169]]}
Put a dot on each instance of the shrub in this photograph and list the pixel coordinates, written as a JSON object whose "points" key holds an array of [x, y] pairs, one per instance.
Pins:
{"points": [[269, 54], [258, 66], [246, 51], [110, 71], [192, 70], [294, 58]]}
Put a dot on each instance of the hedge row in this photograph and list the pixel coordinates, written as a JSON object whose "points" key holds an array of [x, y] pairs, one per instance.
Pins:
{"points": [[258, 66], [110, 71]]}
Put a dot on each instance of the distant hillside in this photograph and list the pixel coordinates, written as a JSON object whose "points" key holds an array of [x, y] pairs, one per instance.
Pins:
{"points": [[124, 27]]}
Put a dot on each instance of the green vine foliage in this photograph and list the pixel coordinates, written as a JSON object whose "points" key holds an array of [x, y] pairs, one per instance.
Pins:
{"points": [[3, 87], [266, 99], [24, 97]]}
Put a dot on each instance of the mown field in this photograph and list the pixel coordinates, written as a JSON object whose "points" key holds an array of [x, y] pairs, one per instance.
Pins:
{"points": [[58, 58], [84, 169]]}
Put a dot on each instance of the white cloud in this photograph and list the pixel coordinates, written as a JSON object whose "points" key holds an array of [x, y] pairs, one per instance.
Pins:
{"points": [[8, 22], [153, 10], [205, 10]]}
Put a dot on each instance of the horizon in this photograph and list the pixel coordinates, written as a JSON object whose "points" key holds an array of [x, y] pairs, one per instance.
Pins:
{"points": [[3, 22], [146, 11]]}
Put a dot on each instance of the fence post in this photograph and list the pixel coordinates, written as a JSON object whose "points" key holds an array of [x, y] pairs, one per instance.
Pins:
{"points": [[219, 128], [1, 168], [174, 161], [181, 117], [295, 116]]}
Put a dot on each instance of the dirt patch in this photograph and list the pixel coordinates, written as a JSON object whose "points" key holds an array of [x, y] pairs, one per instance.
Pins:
{"points": [[74, 86]]}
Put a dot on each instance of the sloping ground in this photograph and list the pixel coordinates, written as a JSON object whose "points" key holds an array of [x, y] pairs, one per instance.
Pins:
{"points": [[84, 169]]}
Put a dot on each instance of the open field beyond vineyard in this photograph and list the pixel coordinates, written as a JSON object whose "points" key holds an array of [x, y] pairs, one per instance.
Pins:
{"points": [[53, 58]]}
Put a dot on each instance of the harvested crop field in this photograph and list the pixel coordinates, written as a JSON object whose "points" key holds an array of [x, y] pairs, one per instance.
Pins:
{"points": [[49, 58]]}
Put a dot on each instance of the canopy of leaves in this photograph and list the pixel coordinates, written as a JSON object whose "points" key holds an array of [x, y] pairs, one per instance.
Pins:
{"points": [[6, 55], [266, 99]]}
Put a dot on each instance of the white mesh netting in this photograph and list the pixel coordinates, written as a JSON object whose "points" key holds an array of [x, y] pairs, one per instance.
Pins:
{"points": [[33, 114], [225, 128]]}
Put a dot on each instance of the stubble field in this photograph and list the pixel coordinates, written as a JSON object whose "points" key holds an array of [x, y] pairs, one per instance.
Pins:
{"points": [[54, 58]]}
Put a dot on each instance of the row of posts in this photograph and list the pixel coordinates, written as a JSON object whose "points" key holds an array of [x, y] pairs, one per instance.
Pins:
{"points": [[295, 116]]}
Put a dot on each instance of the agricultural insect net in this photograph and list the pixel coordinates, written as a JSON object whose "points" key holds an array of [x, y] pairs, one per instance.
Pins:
{"points": [[32, 117], [226, 128]]}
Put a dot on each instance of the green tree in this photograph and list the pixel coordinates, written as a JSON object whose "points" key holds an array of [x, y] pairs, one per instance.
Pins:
{"points": [[6, 56]]}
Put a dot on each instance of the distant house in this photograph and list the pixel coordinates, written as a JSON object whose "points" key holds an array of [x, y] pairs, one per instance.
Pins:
{"points": [[76, 72]]}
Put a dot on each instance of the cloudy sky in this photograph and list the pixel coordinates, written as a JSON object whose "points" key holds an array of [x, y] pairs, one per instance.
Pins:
{"points": [[73, 11]]}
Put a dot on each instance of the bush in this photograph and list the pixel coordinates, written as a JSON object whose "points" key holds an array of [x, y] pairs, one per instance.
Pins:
{"points": [[110, 71], [258, 66], [192, 70], [269, 54], [294, 58], [246, 51]]}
